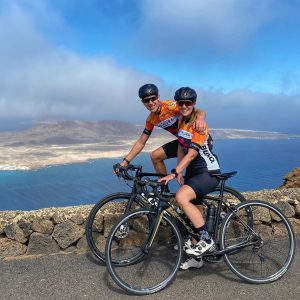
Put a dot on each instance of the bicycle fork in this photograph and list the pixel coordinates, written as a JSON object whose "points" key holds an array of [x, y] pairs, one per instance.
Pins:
{"points": [[153, 229]]}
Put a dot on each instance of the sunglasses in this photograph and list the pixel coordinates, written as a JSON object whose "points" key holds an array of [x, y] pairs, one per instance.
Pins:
{"points": [[187, 103], [146, 101]]}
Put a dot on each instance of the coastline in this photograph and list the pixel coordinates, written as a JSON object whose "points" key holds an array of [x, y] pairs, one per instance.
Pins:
{"points": [[68, 142], [31, 157]]}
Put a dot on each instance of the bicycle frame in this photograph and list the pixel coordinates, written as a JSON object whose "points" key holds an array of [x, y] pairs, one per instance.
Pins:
{"points": [[165, 207], [138, 187]]}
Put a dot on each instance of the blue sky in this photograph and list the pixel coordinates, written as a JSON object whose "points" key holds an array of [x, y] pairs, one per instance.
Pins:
{"points": [[64, 59]]}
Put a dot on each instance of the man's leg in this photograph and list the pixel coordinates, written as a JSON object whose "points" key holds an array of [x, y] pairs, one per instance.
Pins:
{"points": [[158, 156], [166, 151]]}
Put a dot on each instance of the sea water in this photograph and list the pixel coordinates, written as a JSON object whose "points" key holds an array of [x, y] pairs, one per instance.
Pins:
{"points": [[261, 164]]}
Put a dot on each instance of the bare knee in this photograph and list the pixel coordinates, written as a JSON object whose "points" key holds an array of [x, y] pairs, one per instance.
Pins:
{"points": [[156, 156], [181, 199], [184, 196]]}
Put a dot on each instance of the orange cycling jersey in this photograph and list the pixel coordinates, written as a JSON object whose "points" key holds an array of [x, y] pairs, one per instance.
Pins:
{"points": [[167, 118], [200, 142]]}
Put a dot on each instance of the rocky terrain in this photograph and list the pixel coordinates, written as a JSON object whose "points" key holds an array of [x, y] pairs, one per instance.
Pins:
{"points": [[84, 132], [70, 142], [70, 133], [292, 179]]}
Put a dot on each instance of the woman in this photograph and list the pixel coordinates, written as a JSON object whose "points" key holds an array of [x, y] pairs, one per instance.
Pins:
{"points": [[194, 154]]}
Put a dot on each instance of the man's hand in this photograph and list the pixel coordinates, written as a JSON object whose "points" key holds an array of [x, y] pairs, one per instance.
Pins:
{"points": [[124, 163], [199, 124]]}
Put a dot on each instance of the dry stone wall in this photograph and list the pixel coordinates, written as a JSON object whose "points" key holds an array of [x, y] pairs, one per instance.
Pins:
{"points": [[62, 230]]}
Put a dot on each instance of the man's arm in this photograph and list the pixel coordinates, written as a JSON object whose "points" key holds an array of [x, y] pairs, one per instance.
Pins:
{"points": [[200, 123], [136, 149]]}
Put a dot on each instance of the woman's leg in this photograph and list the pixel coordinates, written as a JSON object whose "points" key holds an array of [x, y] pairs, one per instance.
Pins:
{"points": [[184, 196]]}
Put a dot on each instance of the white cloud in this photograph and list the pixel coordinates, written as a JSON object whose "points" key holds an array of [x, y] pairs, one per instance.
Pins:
{"points": [[251, 110], [41, 80], [176, 25]]}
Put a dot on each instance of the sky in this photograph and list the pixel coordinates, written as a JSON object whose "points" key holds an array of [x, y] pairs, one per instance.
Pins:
{"points": [[86, 59]]}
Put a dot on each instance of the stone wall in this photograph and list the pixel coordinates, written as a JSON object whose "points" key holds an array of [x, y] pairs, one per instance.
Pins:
{"points": [[62, 230], [44, 231]]}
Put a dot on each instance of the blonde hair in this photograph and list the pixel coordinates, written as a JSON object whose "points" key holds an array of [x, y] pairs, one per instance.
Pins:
{"points": [[191, 120]]}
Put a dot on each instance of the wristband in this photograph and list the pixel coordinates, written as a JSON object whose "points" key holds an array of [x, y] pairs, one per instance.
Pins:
{"points": [[125, 159], [173, 171]]}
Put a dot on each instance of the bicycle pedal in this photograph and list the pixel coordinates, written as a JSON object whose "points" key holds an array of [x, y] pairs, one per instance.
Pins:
{"points": [[212, 249], [212, 259]]}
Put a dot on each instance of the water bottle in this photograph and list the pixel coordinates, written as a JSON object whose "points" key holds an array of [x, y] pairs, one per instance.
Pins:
{"points": [[182, 215], [180, 212], [210, 218]]}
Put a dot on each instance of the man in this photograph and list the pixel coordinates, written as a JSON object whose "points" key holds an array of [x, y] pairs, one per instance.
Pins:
{"points": [[164, 114]]}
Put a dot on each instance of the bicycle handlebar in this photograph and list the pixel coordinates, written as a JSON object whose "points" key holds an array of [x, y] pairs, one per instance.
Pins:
{"points": [[155, 185], [122, 171]]}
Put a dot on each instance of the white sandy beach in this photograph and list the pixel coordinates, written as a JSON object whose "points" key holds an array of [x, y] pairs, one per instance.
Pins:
{"points": [[33, 157]]}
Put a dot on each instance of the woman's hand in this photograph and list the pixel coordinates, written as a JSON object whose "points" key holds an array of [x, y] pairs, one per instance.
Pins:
{"points": [[180, 179], [167, 178]]}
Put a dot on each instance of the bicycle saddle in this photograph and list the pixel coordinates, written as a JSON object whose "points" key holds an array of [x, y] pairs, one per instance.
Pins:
{"points": [[225, 176]]}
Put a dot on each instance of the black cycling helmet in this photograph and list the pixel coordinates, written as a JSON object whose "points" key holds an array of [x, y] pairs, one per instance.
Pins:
{"points": [[185, 93], [148, 89]]}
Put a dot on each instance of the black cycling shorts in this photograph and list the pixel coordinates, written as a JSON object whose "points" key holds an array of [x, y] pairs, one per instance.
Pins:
{"points": [[202, 184], [171, 148]]}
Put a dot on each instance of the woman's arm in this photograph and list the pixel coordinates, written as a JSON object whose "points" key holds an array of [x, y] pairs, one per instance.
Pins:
{"points": [[186, 160], [180, 156], [182, 164]]}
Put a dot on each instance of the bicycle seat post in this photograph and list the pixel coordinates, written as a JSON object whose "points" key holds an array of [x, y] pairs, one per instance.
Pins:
{"points": [[222, 188]]}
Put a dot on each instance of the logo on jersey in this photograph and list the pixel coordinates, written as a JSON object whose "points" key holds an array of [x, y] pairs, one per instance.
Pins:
{"points": [[172, 105], [207, 153], [185, 134], [168, 122]]}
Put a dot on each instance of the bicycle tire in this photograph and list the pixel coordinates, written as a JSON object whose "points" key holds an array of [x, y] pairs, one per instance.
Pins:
{"points": [[273, 240], [96, 238], [135, 271]]}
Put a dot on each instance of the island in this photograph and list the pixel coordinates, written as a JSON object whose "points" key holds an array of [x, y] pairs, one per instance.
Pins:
{"points": [[64, 142]]}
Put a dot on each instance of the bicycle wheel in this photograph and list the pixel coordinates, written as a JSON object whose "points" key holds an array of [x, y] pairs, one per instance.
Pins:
{"points": [[102, 217], [135, 267], [267, 246]]}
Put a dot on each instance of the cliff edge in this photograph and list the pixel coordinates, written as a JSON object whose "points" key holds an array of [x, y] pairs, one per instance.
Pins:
{"points": [[292, 179]]}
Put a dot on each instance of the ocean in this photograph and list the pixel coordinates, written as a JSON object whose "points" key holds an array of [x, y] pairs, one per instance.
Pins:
{"points": [[261, 164]]}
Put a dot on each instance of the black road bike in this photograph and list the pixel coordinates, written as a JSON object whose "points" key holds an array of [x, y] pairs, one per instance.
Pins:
{"points": [[109, 209], [255, 240]]}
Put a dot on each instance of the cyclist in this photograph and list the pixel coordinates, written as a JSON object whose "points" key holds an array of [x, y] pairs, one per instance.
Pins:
{"points": [[164, 114], [194, 154]]}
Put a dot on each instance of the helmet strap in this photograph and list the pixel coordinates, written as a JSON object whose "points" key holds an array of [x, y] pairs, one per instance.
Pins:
{"points": [[158, 109]]}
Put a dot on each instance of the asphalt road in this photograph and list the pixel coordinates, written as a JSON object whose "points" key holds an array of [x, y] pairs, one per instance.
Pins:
{"points": [[74, 276]]}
